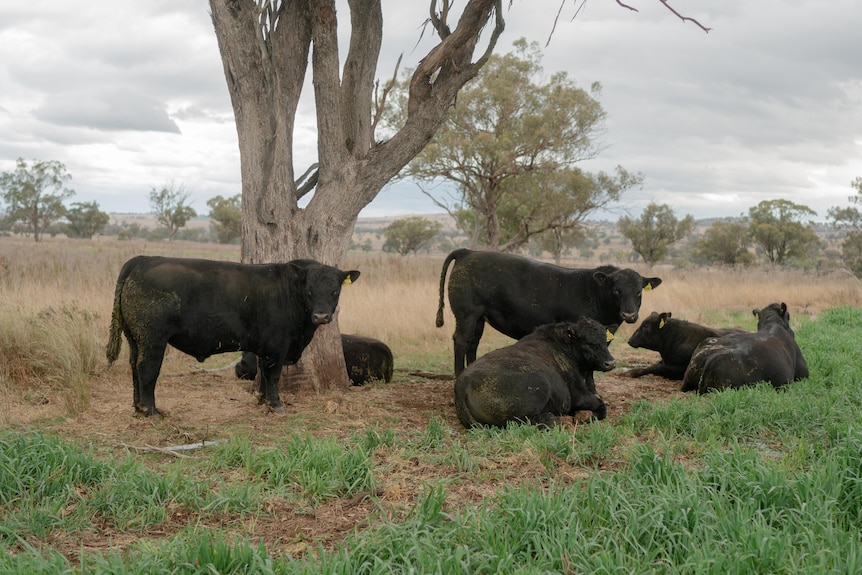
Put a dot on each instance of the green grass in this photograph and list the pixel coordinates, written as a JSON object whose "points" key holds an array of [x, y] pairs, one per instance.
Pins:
{"points": [[738, 482]]}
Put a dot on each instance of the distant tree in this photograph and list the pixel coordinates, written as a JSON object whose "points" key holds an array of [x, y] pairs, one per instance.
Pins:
{"points": [[169, 206], [652, 234], [776, 226], [226, 214], [725, 242], [85, 220], [850, 219], [410, 234], [510, 145], [34, 195], [565, 199]]}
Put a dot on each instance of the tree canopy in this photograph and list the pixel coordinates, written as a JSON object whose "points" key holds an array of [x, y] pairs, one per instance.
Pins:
{"points": [[652, 234], [508, 149], [725, 242], [85, 219], [777, 228], [410, 234], [226, 216], [34, 194], [169, 206], [849, 219]]}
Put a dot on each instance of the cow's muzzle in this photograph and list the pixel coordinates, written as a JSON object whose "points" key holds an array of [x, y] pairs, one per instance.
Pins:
{"points": [[321, 318], [629, 317]]}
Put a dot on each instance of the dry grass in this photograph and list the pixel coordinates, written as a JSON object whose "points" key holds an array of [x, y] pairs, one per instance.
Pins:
{"points": [[56, 297]]}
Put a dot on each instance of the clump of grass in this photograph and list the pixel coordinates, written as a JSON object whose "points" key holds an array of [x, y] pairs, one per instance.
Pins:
{"points": [[54, 350]]}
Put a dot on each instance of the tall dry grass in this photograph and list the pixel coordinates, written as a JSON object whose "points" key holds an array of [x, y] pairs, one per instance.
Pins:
{"points": [[56, 298]]}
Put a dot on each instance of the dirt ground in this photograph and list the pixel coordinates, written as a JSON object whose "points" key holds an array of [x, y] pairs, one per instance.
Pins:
{"points": [[212, 404]]}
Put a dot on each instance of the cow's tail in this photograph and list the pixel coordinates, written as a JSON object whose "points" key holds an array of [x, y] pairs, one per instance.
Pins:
{"points": [[115, 340], [453, 256]]}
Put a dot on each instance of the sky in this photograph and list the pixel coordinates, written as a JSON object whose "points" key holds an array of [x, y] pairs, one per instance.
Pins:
{"points": [[131, 96]]}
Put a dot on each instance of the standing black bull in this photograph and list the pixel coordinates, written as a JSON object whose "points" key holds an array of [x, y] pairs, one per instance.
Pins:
{"points": [[768, 354], [515, 295], [366, 358], [204, 307], [674, 339], [546, 374]]}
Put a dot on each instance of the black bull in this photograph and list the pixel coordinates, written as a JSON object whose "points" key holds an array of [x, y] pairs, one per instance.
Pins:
{"points": [[544, 375], [516, 295], [204, 307]]}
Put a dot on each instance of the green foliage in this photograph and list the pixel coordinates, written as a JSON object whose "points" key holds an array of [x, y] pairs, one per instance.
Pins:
{"points": [[850, 219], [652, 234], [411, 234], [510, 146], [35, 194], [776, 227], [725, 242], [85, 220], [226, 214], [169, 206]]}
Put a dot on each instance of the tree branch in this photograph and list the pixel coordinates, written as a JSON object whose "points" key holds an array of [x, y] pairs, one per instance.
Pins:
{"points": [[684, 18]]}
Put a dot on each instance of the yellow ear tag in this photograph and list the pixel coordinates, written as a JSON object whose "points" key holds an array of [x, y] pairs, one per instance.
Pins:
{"points": [[648, 287], [609, 335], [346, 281], [661, 323]]}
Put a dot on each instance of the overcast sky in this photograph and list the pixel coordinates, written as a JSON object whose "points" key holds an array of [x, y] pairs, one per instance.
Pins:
{"points": [[132, 95]]}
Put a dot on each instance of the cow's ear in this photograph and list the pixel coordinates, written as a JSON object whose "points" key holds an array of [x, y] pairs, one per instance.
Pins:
{"points": [[783, 308], [609, 333], [350, 277], [296, 269], [756, 313], [651, 283], [662, 319], [600, 277]]}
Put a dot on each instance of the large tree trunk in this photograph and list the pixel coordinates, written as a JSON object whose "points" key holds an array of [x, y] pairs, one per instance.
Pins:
{"points": [[265, 48]]}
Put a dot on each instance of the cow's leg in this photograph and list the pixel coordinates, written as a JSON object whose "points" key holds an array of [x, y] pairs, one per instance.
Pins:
{"points": [[468, 332], [149, 364], [136, 381], [270, 374]]}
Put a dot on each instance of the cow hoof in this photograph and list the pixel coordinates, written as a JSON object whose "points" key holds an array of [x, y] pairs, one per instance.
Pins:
{"points": [[278, 408]]}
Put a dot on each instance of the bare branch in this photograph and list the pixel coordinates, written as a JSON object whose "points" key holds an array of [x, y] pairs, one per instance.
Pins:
{"points": [[629, 7], [308, 180], [685, 18], [380, 103]]}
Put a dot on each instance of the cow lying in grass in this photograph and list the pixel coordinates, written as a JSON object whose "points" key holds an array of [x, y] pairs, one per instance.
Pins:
{"points": [[366, 359], [737, 359], [674, 339], [544, 375], [204, 307]]}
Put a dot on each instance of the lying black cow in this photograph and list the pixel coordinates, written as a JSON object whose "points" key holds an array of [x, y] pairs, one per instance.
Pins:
{"points": [[546, 374], [366, 359], [204, 307], [768, 354], [515, 295], [674, 339]]}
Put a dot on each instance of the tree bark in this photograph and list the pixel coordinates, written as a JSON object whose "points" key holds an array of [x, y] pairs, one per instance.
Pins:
{"points": [[265, 49]]}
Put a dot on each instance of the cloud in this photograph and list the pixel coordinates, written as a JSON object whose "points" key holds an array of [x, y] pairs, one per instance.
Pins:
{"points": [[109, 110]]}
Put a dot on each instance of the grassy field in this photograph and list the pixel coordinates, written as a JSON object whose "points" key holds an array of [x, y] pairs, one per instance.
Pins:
{"points": [[383, 479]]}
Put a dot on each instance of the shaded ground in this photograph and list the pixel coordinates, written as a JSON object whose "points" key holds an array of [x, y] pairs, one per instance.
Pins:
{"points": [[211, 405]]}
